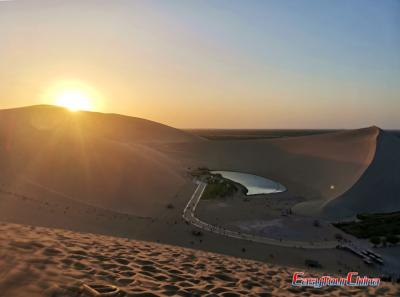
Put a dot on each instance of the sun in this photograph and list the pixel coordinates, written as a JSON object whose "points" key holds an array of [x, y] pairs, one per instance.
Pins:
{"points": [[74, 100], [75, 95]]}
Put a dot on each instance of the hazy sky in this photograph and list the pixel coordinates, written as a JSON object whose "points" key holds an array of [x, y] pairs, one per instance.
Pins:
{"points": [[224, 64]]}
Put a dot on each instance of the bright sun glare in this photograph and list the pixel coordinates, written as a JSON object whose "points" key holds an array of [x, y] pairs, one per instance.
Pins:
{"points": [[74, 100]]}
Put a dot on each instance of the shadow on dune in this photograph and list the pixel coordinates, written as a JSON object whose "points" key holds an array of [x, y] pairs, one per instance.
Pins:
{"points": [[378, 189]]}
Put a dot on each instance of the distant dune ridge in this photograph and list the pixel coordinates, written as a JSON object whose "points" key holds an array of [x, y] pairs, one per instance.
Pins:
{"points": [[136, 166]]}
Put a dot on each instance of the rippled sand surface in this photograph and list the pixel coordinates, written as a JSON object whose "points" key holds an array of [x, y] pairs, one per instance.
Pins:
{"points": [[50, 262]]}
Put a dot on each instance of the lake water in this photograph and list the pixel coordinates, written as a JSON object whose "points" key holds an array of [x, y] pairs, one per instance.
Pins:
{"points": [[253, 183]]}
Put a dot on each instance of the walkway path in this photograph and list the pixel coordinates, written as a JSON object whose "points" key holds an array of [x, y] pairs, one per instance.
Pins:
{"points": [[189, 216]]}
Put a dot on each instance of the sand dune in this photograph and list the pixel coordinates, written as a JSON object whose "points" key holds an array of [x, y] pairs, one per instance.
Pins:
{"points": [[378, 189], [51, 262], [318, 167], [114, 175], [133, 165], [104, 160], [110, 126]]}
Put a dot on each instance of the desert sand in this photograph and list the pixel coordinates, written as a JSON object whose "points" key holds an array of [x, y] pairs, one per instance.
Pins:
{"points": [[318, 168], [101, 159], [377, 190], [133, 165], [52, 262], [167, 227], [114, 175]]}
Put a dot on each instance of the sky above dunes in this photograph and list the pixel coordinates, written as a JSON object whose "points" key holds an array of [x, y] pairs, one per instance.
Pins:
{"points": [[210, 64]]}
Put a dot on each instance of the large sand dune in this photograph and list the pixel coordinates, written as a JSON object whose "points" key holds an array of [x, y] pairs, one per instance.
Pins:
{"points": [[378, 189], [105, 160]]}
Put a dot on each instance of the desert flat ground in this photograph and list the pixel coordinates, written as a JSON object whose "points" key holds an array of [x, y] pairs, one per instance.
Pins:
{"points": [[166, 227], [54, 262], [266, 215]]}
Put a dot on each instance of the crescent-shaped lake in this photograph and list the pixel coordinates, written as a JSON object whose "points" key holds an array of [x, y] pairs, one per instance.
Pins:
{"points": [[254, 184]]}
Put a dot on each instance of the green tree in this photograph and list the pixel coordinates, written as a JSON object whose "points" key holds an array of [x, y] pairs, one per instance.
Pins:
{"points": [[375, 240], [393, 239]]}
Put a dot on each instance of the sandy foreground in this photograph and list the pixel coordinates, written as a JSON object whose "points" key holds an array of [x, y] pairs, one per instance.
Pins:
{"points": [[39, 261]]}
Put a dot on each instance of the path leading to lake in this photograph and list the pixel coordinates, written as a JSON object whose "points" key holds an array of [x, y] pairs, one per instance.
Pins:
{"points": [[189, 216]]}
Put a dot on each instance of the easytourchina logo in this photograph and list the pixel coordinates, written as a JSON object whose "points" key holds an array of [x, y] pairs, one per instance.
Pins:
{"points": [[351, 280]]}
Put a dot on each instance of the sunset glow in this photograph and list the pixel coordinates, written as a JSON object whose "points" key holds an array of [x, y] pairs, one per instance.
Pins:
{"points": [[74, 100], [268, 64]]}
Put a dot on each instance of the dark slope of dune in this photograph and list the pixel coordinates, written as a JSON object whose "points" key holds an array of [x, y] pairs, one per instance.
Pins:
{"points": [[378, 189]]}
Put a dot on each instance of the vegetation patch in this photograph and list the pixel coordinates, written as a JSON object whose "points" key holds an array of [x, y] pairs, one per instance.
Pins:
{"points": [[219, 187], [375, 227]]}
